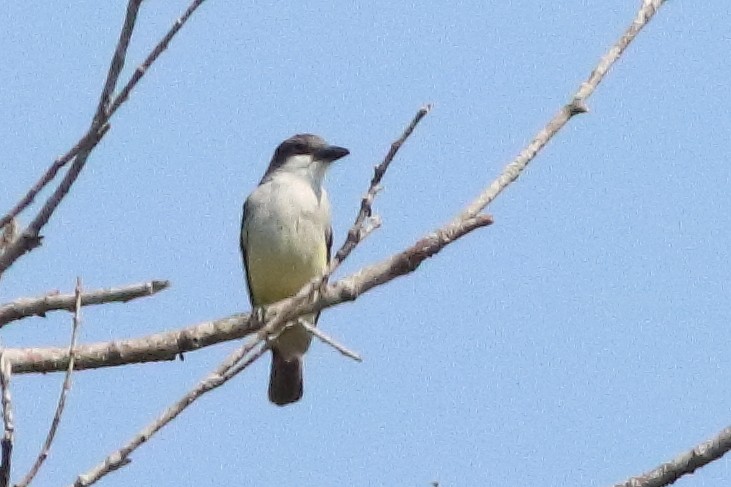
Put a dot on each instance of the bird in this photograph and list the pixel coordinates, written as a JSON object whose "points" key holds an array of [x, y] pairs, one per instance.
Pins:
{"points": [[285, 241]]}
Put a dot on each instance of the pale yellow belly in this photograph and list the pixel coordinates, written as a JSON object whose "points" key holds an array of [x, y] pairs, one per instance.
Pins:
{"points": [[285, 243], [280, 267], [279, 271]]}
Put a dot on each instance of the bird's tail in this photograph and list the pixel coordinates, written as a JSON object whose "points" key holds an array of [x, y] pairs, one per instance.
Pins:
{"points": [[285, 379]]}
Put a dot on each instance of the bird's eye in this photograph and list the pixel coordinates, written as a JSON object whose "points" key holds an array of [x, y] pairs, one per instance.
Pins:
{"points": [[299, 148]]}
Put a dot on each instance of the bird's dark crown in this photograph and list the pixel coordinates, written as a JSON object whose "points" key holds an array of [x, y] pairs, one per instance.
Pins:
{"points": [[299, 144], [304, 144]]}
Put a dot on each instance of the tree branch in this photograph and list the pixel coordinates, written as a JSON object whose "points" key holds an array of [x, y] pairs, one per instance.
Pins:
{"points": [[89, 139], [684, 464], [151, 348], [329, 340], [62, 398], [39, 306], [576, 106], [30, 238], [120, 458], [152, 57], [167, 345], [355, 234]]}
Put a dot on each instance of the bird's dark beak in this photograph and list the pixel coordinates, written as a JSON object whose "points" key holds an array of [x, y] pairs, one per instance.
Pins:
{"points": [[331, 153]]}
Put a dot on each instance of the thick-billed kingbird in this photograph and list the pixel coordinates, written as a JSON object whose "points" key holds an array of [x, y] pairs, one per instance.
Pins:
{"points": [[286, 238]]}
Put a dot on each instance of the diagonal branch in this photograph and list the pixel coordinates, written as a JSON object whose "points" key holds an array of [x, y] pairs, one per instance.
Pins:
{"points": [[115, 67], [328, 340], [575, 107], [30, 237], [62, 398], [152, 57], [90, 138], [120, 458], [684, 464], [237, 361], [39, 306], [355, 233]]}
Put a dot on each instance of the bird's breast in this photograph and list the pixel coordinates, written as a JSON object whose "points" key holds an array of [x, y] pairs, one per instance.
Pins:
{"points": [[284, 236]]}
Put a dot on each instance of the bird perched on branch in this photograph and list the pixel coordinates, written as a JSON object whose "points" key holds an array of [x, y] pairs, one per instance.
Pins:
{"points": [[286, 238]]}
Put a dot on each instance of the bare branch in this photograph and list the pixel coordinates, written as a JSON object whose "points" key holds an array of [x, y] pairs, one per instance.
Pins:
{"points": [[39, 306], [329, 340], [576, 106], [355, 234], [94, 135], [154, 54], [115, 67], [684, 464], [9, 428], [156, 347], [220, 376], [30, 237], [90, 139], [167, 345], [62, 398]]}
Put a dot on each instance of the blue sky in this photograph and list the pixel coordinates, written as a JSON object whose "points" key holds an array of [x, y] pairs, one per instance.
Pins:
{"points": [[579, 340]]}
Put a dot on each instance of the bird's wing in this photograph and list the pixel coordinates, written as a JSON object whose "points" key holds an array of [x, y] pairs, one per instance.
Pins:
{"points": [[242, 246], [329, 242]]}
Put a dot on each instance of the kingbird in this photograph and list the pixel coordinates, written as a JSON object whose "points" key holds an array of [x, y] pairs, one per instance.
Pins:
{"points": [[286, 238]]}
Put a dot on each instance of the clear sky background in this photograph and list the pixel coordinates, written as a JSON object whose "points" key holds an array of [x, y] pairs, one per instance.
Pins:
{"points": [[582, 339]]}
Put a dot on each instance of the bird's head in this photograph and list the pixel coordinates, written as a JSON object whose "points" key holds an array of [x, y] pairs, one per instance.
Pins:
{"points": [[306, 155]]}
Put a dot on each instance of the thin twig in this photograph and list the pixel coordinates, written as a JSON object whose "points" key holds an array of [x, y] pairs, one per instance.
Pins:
{"points": [[98, 127], [9, 428], [329, 340], [30, 237], [39, 306], [90, 138], [62, 398], [366, 204], [115, 67], [154, 54], [577, 105], [220, 376], [363, 225], [236, 362]]}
